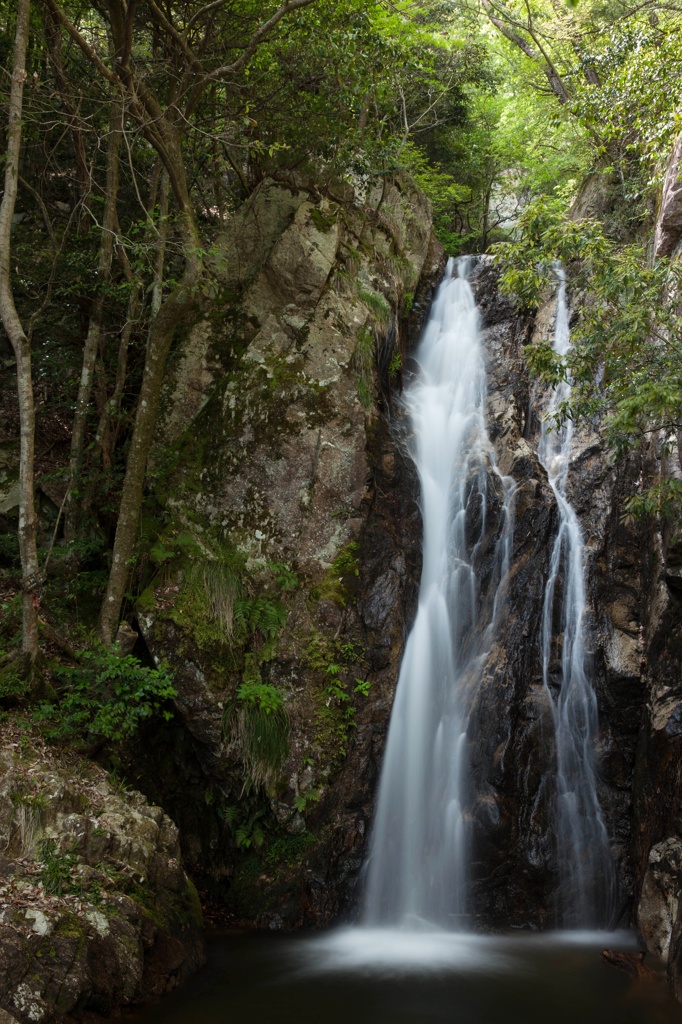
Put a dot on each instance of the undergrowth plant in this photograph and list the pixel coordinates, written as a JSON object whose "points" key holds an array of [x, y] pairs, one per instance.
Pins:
{"points": [[56, 868], [258, 724], [105, 697]]}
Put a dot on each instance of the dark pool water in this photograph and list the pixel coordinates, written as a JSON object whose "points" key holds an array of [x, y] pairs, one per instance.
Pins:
{"points": [[374, 977]]}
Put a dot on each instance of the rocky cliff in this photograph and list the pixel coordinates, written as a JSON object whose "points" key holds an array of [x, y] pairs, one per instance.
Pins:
{"points": [[512, 735], [288, 564], [282, 467], [657, 806]]}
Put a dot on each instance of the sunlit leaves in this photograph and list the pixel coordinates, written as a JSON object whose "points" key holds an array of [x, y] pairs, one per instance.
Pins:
{"points": [[626, 362]]}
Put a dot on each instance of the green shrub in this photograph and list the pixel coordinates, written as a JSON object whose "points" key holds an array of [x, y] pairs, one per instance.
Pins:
{"points": [[106, 697]]}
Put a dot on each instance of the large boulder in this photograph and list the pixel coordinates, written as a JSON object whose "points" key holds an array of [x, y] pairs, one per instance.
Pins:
{"points": [[96, 910]]}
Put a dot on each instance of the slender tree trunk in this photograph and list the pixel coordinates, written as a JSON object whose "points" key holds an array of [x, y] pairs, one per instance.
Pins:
{"points": [[108, 427], [53, 36], [93, 340], [105, 437], [161, 332], [22, 349], [162, 240]]}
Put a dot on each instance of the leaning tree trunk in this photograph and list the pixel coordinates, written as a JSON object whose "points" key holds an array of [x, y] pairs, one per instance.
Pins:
{"points": [[161, 332], [22, 349]]}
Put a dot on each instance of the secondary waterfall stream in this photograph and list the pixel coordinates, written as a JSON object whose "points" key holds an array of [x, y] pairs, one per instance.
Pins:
{"points": [[586, 873], [417, 868]]}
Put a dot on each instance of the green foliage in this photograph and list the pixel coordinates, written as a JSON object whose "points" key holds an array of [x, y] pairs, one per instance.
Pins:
{"points": [[56, 870], [262, 615], [333, 663], [222, 580], [377, 305], [303, 800], [266, 697], [105, 697], [284, 578], [9, 549], [445, 193], [363, 363], [10, 623], [634, 115], [290, 850], [323, 222], [396, 363], [626, 359], [13, 687], [258, 724], [218, 606], [245, 824], [664, 499]]}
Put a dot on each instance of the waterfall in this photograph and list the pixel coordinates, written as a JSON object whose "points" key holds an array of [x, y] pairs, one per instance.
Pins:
{"points": [[586, 872], [417, 867]]}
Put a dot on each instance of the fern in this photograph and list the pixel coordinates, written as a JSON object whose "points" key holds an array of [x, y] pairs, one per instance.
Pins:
{"points": [[260, 615]]}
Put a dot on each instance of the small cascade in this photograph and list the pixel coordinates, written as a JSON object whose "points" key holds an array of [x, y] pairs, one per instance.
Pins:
{"points": [[586, 871], [418, 862]]}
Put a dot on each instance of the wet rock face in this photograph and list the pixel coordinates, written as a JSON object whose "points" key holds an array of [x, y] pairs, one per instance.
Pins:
{"points": [[280, 458], [658, 784], [95, 908], [659, 897], [512, 753], [510, 733], [657, 796]]}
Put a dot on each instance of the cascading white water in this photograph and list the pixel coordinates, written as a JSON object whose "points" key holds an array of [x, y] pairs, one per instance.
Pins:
{"points": [[417, 868], [586, 872]]}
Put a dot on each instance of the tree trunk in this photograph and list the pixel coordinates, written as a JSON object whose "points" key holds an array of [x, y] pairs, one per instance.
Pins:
{"points": [[93, 339], [160, 260], [161, 332], [22, 349], [107, 429]]}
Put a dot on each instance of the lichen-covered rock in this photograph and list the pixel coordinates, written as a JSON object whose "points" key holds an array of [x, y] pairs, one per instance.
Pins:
{"points": [[660, 896], [95, 908]]}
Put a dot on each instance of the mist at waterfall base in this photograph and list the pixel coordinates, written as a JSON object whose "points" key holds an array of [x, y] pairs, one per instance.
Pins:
{"points": [[357, 976]]}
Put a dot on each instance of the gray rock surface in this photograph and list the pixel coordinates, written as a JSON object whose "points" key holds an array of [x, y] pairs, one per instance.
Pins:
{"points": [[279, 452], [95, 908], [660, 895], [669, 222]]}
